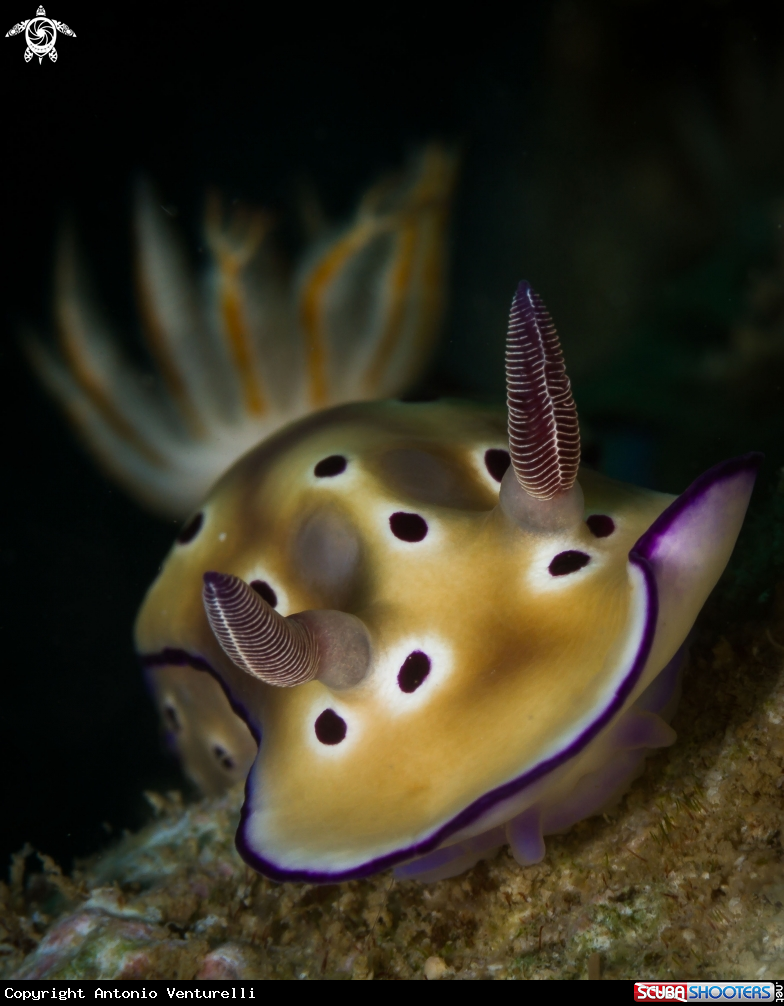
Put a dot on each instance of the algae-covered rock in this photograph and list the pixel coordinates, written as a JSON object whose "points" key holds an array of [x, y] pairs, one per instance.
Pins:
{"points": [[684, 879]]}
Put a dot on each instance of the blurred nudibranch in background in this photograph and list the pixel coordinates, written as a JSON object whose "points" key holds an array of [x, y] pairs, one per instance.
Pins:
{"points": [[248, 350]]}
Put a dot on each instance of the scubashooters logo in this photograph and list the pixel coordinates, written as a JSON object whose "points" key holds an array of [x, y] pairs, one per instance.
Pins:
{"points": [[41, 35], [760, 991]]}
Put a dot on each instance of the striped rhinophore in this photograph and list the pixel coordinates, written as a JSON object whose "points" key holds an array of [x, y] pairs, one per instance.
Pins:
{"points": [[277, 650], [246, 352], [544, 433]]}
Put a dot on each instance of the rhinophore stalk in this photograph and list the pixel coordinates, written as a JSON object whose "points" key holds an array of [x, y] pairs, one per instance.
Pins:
{"points": [[275, 649], [540, 490]]}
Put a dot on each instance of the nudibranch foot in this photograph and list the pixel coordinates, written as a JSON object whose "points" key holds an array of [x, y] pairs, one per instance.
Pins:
{"points": [[452, 860]]}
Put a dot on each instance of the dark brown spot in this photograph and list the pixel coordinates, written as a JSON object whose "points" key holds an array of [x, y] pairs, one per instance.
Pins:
{"points": [[333, 465], [265, 592], [496, 462], [408, 526], [568, 562], [191, 529], [330, 728], [600, 525], [224, 759], [415, 669]]}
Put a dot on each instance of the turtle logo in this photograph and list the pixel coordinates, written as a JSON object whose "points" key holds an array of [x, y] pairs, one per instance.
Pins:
{"points": [[41, 34]]}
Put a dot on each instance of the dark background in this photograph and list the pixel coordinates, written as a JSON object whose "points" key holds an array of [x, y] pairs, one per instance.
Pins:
{"points": [[625, 157]]}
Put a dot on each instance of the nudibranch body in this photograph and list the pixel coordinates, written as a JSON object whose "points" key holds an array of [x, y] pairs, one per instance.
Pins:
{"points": [[420, 635]]}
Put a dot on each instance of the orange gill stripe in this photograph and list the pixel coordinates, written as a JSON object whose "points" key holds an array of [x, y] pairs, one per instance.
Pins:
{"points": [[312, 311], [238, 336], [431, 277], [93, 386], [422, 232], [159, 345], [398, 284], [417, 284]]}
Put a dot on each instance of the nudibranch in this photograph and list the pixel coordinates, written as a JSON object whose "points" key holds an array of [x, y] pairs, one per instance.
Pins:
{"points": [[253, 348], [422, 630]]}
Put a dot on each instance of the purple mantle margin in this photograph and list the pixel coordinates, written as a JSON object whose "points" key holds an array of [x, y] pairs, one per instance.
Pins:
{"points": [[639, 555], [170, 657], [748, 463]]}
